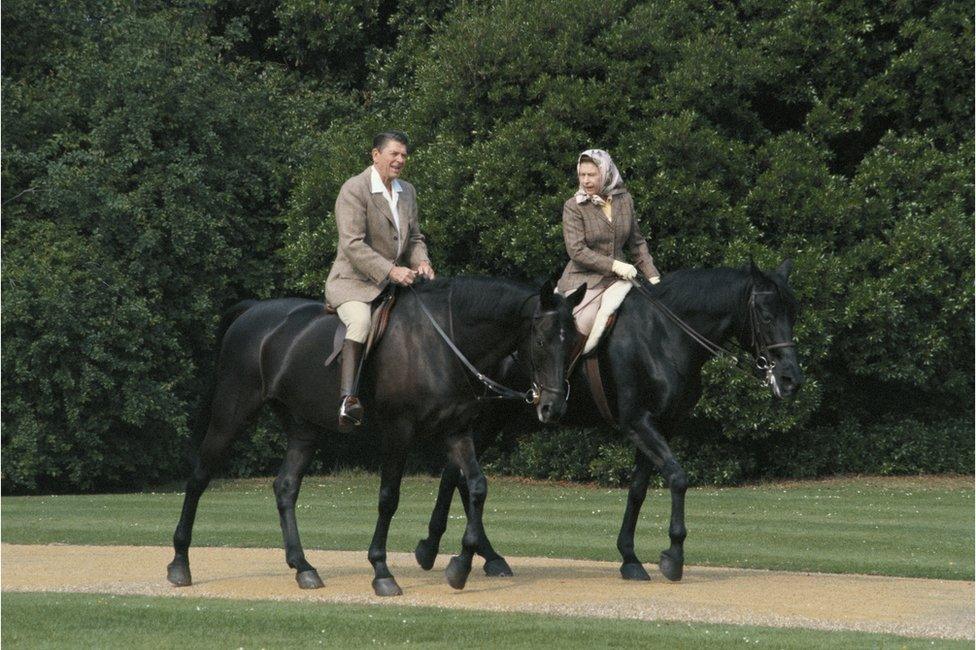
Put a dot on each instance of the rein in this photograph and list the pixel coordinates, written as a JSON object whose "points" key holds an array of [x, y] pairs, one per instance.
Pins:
{"points": [[501, 392], [759, 341]]}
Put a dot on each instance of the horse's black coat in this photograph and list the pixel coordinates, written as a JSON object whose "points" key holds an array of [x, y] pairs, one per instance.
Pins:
{"points": [[273, 352], [653, 372]]}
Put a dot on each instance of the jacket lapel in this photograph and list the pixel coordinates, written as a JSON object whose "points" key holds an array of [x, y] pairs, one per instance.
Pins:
{"points": [[615, 215], [406, 212], [596, 212], [380, 202]]}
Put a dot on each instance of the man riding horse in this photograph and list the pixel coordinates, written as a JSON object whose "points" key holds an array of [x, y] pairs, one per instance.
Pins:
{"points": [[379, 243]]}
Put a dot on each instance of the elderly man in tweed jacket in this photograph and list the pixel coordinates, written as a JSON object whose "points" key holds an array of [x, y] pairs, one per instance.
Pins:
{"points": [[379, 243]]}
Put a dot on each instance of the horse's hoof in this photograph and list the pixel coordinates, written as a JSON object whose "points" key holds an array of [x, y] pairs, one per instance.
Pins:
{"points": [[498, 568], [633, 571], [670, 567], [425, 553], [178, 573], [309, 579], [457, 573], [386, 587]]}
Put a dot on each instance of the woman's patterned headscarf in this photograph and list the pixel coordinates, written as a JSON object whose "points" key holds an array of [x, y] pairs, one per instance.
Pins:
{"points": [[612, 180]]}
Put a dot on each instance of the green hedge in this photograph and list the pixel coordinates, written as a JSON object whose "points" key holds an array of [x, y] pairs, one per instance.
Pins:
{"points": [[163, 160], [889, 448]]}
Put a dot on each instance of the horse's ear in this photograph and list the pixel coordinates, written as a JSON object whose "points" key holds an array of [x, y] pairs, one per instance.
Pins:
{"points": [[547, 296], [576, 297], [784, 268]]}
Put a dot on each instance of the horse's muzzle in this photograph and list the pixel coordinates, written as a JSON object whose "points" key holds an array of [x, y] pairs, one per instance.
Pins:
{"points": [[550, 402], [786, 382], [550, 413]]}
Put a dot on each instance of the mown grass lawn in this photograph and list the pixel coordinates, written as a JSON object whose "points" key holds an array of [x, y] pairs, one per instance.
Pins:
{"points": [[919, 527], [105, 621]]}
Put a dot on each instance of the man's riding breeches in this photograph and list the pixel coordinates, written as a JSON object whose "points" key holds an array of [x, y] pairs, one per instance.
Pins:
{"points": [[356, 317]]}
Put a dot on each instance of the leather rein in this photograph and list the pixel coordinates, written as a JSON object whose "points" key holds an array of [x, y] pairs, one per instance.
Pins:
{"points": [[760, 342], [531, 396]]}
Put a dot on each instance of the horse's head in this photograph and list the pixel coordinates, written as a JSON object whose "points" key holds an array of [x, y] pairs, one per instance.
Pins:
{"points": [[553, 339], [772, 312]]}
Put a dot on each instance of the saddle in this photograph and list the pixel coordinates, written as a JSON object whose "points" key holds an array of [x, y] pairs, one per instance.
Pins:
{"points": [[379, 319], [605, 305]]}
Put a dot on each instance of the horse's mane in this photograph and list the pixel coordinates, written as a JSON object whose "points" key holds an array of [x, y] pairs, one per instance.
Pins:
{"points": [[705, 290], [701, 290], [480, 297]]}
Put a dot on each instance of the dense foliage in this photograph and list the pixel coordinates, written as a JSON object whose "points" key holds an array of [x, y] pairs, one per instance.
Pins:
{"points": [[162, 160]]}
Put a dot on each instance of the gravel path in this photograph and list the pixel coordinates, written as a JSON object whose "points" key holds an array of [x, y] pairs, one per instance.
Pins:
{"points": [[906, 606]]}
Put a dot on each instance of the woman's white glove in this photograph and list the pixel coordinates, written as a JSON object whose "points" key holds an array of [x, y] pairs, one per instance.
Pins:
{"points": [[624, 270]]}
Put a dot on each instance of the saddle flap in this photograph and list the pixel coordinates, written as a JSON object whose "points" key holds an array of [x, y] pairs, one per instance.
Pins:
{"points": [[379, 319], [592, 366]]}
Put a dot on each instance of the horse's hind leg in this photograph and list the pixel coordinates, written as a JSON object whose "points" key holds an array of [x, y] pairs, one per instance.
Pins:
{"points": [[426, 551], [301, 448], [227, 418], [463, 454], [650, 441]]}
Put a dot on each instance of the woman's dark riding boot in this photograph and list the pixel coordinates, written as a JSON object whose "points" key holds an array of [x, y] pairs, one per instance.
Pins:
{"points": [[351, 410]]}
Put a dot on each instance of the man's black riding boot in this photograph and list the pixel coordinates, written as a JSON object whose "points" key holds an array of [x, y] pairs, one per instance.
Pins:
{"points": [[351, 410]]}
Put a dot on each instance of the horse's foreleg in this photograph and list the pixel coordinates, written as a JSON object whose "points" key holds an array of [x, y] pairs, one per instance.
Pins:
{"points": [[495, 564], [383, 582], [632, 569], [650, 441], [301, 449], [426, 551], [463, 455]]}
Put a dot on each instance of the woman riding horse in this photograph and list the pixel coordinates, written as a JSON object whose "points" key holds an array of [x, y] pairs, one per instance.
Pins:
{"points": [[651, 364], [598, 225]]}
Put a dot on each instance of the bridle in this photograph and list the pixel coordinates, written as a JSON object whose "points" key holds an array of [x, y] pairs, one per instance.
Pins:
{"points": [[538, 389], [760, 342]]}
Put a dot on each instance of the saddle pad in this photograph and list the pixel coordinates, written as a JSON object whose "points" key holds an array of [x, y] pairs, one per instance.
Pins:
{"points": [[612, 297]]}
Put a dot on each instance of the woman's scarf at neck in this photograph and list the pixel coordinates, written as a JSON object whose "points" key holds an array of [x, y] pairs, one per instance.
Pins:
{"points": [[612, 180]]}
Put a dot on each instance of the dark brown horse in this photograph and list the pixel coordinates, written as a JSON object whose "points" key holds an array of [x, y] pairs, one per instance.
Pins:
{"points": [[274, 352], [652, 369]]}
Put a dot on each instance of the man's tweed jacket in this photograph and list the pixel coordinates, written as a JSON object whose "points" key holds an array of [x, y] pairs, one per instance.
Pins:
{"points": [[369, 239]]}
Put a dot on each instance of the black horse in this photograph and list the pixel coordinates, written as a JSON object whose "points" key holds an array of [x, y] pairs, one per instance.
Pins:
{"points": [[274, 351], [652, 369]]}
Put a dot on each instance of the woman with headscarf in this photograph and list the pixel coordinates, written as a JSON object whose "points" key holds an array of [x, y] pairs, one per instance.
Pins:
{"points": [[598, 226]]}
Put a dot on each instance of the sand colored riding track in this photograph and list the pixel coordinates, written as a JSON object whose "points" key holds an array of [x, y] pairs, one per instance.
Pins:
{"points": [[906, 606]]}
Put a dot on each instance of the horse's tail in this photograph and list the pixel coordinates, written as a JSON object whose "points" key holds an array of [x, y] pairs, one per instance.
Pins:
{"points": [[201, 419]]}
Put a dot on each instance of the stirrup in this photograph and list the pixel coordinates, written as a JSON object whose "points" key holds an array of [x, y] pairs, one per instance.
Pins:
{"points": [[350, 412]]}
